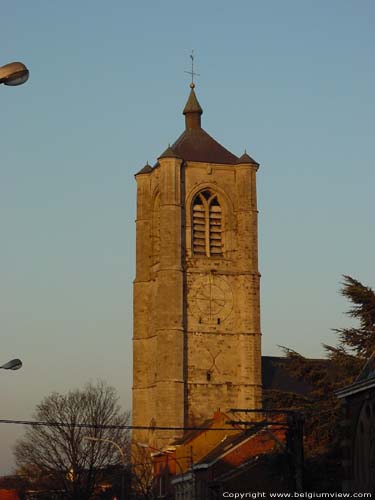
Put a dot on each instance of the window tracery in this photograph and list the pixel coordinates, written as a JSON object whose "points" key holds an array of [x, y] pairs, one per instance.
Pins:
{"points": [[207, 224]]}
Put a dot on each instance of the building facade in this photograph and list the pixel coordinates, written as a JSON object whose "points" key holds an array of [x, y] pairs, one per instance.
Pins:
{"points": [[358, 431], [196, 343]]}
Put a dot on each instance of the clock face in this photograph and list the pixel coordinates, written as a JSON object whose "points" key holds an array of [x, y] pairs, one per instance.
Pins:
{"points": [[211, 299]]}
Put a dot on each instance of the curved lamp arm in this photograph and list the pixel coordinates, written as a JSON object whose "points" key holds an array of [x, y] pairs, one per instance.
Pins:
{"points": [[162, 452], [89, 438]]}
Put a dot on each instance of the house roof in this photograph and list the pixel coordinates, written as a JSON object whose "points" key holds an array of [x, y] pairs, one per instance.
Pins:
{"points": [[275, 376], [219, 421], [360, 386], [236, 450], [189, 435], [365, 380], [6, 494], [368, 371], [227, 444]]}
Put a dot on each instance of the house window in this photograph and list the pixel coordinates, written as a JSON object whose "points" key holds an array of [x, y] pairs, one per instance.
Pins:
{"points": [[207, 225]]}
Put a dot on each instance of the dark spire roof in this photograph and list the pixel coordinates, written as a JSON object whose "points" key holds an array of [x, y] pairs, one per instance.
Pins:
{"points": [[192, 105], [169, 153], [197, 145], [145, 170], [245, 158], [194, 144], [192, 111]]}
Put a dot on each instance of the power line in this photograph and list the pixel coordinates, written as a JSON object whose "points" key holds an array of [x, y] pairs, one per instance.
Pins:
{"points": [[40, 423]]}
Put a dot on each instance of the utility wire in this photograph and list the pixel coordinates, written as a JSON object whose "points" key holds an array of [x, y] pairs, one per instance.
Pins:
{"points": [[37, 423]]}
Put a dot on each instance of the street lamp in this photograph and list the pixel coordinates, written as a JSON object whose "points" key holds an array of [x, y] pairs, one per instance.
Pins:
{"points": [[163, 452], [13, 364], [123, 459], [14, 73]]}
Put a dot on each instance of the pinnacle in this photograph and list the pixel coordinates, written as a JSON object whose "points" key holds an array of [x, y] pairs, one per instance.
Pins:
{"points": [[169, 153], [192, 105], [245, 158]]}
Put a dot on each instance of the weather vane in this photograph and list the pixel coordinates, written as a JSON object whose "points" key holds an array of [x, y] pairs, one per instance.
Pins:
{"points": [[191, 72]]}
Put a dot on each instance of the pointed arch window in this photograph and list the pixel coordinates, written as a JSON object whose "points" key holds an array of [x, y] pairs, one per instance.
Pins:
{"points": [[207, 225]]}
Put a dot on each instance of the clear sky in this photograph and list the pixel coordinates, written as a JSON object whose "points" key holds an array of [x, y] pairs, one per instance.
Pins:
{"points": [[292, 82]]}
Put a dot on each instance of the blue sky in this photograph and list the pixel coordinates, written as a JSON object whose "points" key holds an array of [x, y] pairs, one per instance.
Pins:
{"points": [[292, 82]]}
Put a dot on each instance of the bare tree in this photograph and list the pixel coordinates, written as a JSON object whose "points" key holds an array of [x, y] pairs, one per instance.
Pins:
{"points": [[143, 485], [60, 450]]}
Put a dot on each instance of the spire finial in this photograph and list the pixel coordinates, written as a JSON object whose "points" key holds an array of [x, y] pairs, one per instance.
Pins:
{"points": [[191, 72]]}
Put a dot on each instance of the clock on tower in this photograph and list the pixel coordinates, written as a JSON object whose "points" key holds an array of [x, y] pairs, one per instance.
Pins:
{"points": [[196, 340]]}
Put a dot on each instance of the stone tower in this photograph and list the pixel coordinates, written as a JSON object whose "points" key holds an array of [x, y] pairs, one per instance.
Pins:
{"points": [[196, 341]]}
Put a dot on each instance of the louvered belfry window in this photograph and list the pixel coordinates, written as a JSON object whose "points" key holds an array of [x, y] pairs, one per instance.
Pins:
{"points": [[207, 225]]}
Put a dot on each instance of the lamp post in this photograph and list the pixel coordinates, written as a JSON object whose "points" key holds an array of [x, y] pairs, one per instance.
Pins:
{"points": [[14, 73], [13, 364], [123, 460], [162, 452]]}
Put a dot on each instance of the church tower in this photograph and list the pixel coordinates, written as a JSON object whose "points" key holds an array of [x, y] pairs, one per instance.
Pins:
{"points": [[196, 343]]}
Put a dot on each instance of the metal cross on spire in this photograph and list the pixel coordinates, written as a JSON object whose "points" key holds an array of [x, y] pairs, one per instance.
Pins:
{"points": [[191, 72]]}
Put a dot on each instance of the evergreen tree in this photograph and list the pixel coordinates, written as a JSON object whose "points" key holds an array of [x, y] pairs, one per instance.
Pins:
{"points": [[343, 364], [360, 341]]}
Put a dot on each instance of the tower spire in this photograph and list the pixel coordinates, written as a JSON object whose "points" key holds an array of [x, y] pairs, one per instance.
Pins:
{"points": [[192, 109]]}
